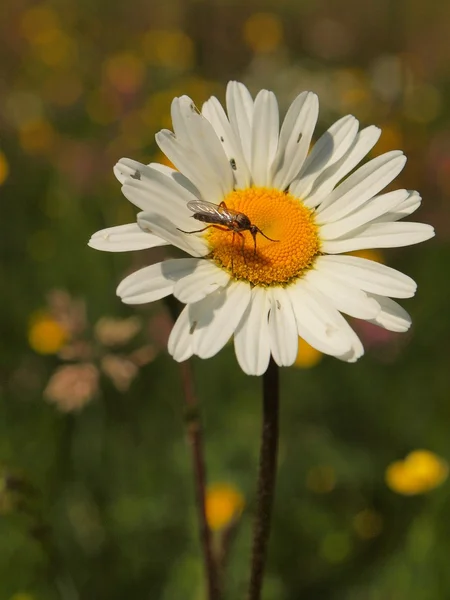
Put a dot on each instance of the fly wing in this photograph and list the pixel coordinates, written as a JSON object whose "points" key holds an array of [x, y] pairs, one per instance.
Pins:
{"points": [[205, 208], [214, 210]]}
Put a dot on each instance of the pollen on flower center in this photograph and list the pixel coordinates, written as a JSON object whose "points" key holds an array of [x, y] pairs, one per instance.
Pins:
{"points": [[279, 216]]}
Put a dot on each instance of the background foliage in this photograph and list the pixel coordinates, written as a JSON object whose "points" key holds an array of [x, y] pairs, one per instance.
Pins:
{"points": [[97, 502]]}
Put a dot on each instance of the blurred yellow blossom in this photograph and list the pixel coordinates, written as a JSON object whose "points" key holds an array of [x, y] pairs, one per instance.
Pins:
{"points": [[71, 387], [321, 479], [391, 138], [162, 159], [307, 356], [45, 334], [263, 32], [420, 472], [168, 48], [375, 255], [4, 168], [22, 596], [224, 504], [59, 50], [39, 24]]}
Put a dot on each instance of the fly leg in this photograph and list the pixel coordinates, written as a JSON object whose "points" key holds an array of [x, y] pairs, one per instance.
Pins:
{"points": [[242, 246], [204, 228], [232, 254], [196, 230]]}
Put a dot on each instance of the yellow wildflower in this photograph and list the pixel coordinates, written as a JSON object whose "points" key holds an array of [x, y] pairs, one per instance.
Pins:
{"points": [[307, 356], [420, 472], [46, 335], [224, 504]]}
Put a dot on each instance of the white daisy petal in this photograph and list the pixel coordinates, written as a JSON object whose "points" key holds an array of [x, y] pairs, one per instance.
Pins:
{"points": [[161, 226], [346, 298], [251, 338], [240, 109], [126, 168], [213, 111], [206, 278], [201, 136], [392, 316], [367, 181], [154, 282], [214, 319], [404, 209], [124, 238], [282, 328], [180, 339], [380, 235], [328, 149], [319, 323], [153, 191], [371, 210], [325, 182], [264, 137], [177, 177], [295, 139], [190, 164], [367, 275]]}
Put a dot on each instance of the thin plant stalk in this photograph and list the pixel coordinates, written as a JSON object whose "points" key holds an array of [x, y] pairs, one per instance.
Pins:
{"points": [[266, 480], [195, 440]]}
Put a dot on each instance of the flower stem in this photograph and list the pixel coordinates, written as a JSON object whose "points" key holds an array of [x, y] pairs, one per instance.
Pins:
{"points": [[266, 479], [195, 439]]}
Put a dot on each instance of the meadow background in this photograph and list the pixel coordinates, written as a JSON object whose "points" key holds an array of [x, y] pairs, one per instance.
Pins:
{"points": [[96, 493]]}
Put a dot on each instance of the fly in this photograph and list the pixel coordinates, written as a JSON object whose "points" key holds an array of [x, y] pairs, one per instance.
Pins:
{"points": [[220, 216]]}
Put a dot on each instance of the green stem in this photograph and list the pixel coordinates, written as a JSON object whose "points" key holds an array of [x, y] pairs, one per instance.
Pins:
{"points": [[266, 479]]}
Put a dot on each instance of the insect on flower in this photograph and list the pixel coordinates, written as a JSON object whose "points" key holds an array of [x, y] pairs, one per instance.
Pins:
{"points": [[221, 216]]}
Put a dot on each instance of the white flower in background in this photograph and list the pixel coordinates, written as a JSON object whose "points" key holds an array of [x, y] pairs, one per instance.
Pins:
{"points": [[306, 200]]}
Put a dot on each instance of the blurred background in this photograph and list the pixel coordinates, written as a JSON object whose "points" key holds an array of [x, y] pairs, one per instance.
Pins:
{"points": [[96, 493]]}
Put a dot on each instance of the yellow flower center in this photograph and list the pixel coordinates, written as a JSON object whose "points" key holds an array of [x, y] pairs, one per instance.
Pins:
{"points": [[279, 216]]}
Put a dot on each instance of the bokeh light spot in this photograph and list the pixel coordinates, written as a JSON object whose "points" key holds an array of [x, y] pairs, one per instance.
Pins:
{"points": [[125, 71], [368, 524], [45, 334], [375, 255], [307, 356], [336, 547], [4, 168], [420, 472], [168, 48], [37, 137], [224, 504], [321, 479], [263, 32]]}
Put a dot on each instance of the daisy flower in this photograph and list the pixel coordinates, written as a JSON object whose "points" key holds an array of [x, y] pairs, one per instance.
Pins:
{"points": [[269, 263]]}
